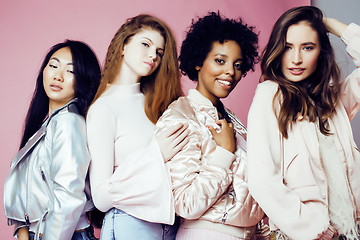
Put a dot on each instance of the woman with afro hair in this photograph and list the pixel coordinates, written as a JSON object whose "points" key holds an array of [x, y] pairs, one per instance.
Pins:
{"points": [[209, 173]]}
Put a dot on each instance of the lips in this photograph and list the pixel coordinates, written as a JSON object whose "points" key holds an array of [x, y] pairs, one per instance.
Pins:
{"points": [[224, 83], [150, 64], [296, 71], [55, 87]]}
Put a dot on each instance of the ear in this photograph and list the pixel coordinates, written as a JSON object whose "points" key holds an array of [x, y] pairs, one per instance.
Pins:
{"points": [[197, 68]]}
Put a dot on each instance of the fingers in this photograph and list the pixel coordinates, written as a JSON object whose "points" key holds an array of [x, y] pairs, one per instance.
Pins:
{"points": [[180, 135], [224, 124], [213, 131], [175, 130]]}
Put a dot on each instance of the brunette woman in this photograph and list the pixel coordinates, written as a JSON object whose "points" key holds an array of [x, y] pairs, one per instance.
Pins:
{"points": [[304, 166]]}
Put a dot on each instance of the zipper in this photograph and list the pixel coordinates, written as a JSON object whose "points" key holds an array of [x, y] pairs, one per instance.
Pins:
{"points": [[51, 195], [223, 220], [26, 215]]}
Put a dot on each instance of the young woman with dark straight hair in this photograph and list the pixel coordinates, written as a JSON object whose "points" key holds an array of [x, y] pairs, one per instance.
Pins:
{"points": [[45, 194]]}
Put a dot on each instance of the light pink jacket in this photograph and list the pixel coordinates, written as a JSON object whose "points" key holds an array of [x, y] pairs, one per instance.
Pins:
{"points": [[293, 192], [209, 182]]}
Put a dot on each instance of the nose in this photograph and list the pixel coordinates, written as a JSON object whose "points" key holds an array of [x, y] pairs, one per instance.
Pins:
{"points": [[58, 76], [153, 55], [229, 69], [297, 58]]}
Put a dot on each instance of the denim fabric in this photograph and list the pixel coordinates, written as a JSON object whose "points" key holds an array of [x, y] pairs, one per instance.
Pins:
{"points": [[121, 226], [32, 236], [87, 234]]}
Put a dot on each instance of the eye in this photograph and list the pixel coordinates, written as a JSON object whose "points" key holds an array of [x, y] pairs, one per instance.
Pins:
{"points": [[70, 71], [237, 66], [220, 61], [145, 44], [287, 48], [308, 48], [160, 53], [52, 65]]}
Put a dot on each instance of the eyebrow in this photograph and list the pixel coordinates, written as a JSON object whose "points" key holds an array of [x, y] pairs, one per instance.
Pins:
{"points": [[305, 43], [56, 59], [226, 56], [152, 42]]}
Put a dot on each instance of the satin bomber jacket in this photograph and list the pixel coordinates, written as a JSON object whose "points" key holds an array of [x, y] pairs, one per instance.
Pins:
{"points": [[45, 187], [209, 182]]}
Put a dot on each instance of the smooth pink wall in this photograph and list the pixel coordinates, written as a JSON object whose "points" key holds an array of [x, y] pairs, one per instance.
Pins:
{"points": [[29, 28]]}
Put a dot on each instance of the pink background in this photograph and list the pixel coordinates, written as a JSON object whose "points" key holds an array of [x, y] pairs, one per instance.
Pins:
{"points": [[30, 28]]}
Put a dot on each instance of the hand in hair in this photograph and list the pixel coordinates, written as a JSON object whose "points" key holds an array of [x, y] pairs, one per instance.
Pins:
{"points": [[172, 139], [334, 26], [226, 137]]}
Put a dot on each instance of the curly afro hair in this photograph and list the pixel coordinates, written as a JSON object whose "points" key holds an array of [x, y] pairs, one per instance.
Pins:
{"points": [[212, 28]]}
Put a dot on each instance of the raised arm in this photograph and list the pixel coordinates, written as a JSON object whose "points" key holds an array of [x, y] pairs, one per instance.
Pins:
{"points": [[334, 26]]}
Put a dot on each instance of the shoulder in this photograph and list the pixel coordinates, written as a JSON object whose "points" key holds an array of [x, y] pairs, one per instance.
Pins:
{"points": [[267, 88], [68, 117], [102, 107], [179, 111], [180, 108], [263, 101]]}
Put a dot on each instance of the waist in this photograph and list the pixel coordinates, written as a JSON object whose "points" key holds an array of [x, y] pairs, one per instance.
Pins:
{"points": [[242, 232]]}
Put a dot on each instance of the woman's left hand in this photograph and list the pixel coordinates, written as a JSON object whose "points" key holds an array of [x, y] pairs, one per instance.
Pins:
{"points": [[334, 26]]}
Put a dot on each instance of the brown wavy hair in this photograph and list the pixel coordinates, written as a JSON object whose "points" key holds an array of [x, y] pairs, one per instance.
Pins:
{"points": [[161, 87], [313, 98]]}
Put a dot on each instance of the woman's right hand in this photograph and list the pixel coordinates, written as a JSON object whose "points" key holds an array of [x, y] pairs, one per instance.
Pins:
{"points": [[172, 139], [23, 233], [226, 137]]}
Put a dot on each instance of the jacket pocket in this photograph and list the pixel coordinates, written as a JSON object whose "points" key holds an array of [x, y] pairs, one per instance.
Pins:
{"points": [[298, 172]]}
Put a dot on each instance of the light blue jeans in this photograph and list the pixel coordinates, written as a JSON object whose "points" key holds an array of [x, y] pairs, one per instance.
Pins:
{"points": [[121, 226], [87, 234]]}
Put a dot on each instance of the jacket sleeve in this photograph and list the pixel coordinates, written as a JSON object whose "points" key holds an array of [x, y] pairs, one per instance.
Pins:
{"points": [[297, 219], [69, 166], [199, 174], [350, 87], [101, 130]]}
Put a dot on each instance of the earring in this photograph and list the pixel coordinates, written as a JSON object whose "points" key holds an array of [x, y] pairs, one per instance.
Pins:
{"points": [[197, 68]]}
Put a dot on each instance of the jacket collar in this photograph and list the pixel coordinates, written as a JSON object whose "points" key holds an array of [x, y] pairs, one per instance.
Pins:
{"points": [[196, 97], [74, 100], [38, 135]]}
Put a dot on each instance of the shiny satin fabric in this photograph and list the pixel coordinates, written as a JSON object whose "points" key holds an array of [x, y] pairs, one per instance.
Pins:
{"points": [[45, 187], [209, 182]]}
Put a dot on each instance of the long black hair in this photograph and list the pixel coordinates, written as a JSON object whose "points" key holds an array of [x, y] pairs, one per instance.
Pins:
{"points": [[87, 79]]}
